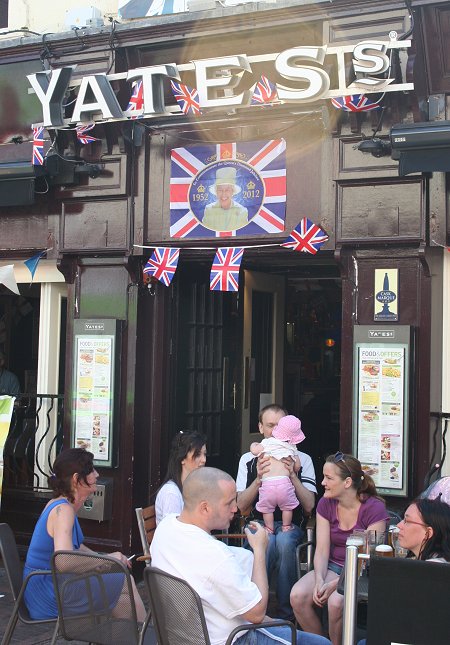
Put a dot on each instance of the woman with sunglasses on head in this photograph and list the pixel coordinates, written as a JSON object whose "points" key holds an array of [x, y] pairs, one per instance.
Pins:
{"points": [[350, 502], [187, 453]]}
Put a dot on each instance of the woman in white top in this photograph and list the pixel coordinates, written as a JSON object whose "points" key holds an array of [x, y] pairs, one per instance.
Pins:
{"points": [[187, 453], [425, 530]]}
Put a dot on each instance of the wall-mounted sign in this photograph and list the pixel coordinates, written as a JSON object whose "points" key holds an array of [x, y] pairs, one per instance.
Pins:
{"points": [[380, 414], [228, 189], [304, 69], [94, 384], [386, 295]]}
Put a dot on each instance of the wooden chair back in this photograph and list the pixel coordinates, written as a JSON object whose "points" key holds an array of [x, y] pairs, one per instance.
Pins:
{"points": [[146, 519]]}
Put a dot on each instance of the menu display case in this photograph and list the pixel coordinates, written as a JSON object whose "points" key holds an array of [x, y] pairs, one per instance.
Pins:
{"points": [[95, 383], [380, 404]]}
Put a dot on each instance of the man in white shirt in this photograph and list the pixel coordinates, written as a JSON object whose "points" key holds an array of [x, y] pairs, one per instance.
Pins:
{"points": [[282, 545], [231, 582]]}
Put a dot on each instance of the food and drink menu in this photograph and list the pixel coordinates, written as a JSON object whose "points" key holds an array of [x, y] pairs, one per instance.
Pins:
{"points": [[381, 414], [93, 392]]}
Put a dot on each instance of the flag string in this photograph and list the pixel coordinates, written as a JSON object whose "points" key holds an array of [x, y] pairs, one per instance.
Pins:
{"points": [[205, 248]]}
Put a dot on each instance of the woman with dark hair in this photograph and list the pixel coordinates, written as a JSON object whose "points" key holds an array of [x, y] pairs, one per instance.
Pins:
{"points": [[425, 530], [57, 529], [350, 502], [187, 453]]}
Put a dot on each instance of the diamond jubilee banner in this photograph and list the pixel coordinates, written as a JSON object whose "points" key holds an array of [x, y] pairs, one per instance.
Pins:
{"points": [[228, 189]]}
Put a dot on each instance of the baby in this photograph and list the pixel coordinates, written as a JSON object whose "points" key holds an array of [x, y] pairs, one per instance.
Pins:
{"points": [[276, 486]]}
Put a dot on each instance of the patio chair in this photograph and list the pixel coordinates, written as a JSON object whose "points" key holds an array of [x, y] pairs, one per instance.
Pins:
{"points": [[146, 519], [305, 551], [408, 602], [13, 568], [90, 589], [178, 613]]}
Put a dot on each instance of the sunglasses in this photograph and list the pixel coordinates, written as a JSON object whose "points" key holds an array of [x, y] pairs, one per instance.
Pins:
{"points": [[339, 456]]}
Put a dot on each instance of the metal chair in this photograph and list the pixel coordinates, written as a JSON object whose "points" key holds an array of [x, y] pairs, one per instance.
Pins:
{"points": [[305, 551], [146, 519], [95, 599], [13, 568], [178, 614]]}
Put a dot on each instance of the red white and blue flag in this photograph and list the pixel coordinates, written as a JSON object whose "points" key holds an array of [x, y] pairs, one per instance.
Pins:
{"points": [[260, 187], [225, 269], [82, 136], [355, 103], [37, 158], [187, 98], [163, 264], [135, 106], [306, 237], [265, 92]]}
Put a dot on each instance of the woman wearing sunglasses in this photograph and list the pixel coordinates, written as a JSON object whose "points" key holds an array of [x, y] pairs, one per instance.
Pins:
{"points": [[350, 502]]}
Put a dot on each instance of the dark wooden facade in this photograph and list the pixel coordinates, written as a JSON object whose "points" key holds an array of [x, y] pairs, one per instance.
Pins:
{"points": [[372, 215]]}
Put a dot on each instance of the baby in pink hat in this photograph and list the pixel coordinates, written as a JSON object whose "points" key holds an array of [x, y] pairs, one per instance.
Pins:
{"points": [[276, 487]]}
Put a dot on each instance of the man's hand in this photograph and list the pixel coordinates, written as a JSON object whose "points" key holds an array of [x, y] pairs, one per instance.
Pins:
{"points": [[292, 466], [258, 537], [262, 465]]}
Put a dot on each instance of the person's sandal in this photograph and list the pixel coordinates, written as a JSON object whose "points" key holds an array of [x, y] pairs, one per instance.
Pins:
{"points": [[269, 530], [287, 527]]}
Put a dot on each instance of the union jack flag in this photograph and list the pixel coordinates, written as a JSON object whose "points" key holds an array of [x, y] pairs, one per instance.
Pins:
{"points": [[163, 264], [187, 98], [225, 269], [82, 136], [136, 103], [306, 237], [37, 158], [355, 103], [260, 172], [264, 92]]}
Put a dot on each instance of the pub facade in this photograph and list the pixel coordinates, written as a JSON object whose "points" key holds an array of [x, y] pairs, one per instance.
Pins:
{"points": [[351, 338]]}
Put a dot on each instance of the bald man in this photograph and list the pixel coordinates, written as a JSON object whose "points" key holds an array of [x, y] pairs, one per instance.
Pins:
{"points": [[231, 582]]}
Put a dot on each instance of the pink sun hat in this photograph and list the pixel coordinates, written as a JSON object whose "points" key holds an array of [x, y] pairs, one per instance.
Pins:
{"points": [[289, 429]]}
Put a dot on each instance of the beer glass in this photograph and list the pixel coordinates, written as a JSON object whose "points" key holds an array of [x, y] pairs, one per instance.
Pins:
{"points": [[384, 551], [360, 542]]}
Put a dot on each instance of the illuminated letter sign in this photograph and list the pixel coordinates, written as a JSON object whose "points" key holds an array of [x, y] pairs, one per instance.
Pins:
{"points": [[218, 78]]}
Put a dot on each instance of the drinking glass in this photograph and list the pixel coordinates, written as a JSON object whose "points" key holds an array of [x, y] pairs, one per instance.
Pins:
{"points": [[359, 539], [374, 538], [399, 551]]}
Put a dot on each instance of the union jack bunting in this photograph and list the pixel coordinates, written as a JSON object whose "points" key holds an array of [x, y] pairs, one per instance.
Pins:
{"points": [[187, 98], [355, 103], [225, 269], [258, 203], [163, 264], [82, 136], [306, 237], [264, 92], [135, 106], [37, 158]]}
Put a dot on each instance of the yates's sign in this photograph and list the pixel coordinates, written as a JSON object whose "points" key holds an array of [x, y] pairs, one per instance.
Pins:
{"points": [[217, 80]]}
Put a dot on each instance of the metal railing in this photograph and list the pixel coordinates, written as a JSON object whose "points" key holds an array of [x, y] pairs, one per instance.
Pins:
{"points": [[35, 438]]}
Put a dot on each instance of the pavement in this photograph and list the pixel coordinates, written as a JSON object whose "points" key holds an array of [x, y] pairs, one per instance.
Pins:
{"points": [[33, 634]]}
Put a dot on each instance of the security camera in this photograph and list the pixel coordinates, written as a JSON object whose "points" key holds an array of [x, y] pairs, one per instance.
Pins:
{"points": [[421, 147], [419, 136]]}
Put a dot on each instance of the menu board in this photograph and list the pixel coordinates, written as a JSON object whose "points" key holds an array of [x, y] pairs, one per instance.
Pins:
{"points": [[380, 414], [93, 412]]}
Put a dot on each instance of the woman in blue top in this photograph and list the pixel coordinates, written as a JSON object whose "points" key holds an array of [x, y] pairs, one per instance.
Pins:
{"points": [[58, 529]]}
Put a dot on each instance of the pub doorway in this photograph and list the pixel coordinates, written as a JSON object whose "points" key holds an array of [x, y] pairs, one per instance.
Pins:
{"points": [[277, 339]]}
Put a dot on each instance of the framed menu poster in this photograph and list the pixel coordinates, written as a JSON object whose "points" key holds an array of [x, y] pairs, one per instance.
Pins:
{"points": [[380, 401], [94, 382]]}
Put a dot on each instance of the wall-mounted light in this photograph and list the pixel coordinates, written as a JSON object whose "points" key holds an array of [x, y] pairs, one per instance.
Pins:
{"points": [[375, 146]]}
